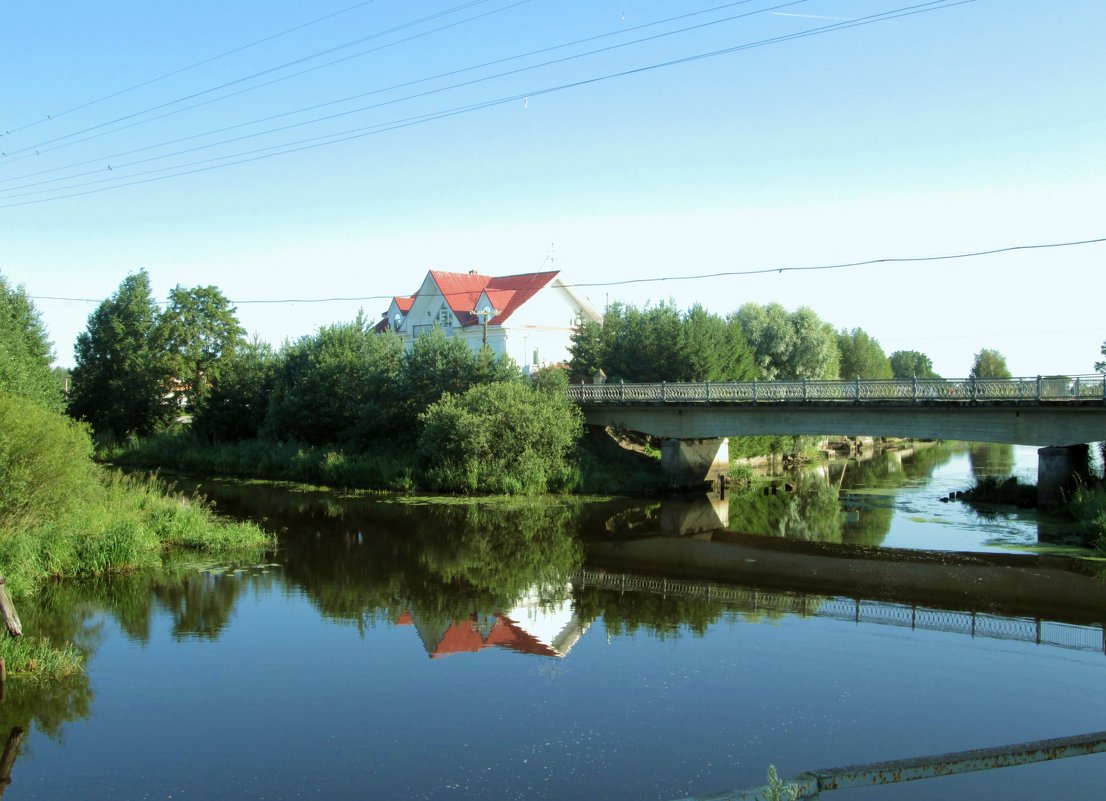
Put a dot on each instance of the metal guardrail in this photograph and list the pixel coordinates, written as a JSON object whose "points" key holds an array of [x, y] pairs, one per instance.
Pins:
{"points": [[1034, 390], [853, 610]]}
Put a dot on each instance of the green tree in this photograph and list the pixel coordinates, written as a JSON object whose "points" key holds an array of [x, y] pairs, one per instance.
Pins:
{"points": [[1101, 366], [862, 356], [200, 331], [121, 378], [787, 345], [508, 437], [713, 349], [328, 383], [911, 363], [237, 400], [989, 364], [25, 353], [586, 348]]}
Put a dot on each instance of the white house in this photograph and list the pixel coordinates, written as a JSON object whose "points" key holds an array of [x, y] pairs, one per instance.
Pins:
{"points": [[528, 317]]}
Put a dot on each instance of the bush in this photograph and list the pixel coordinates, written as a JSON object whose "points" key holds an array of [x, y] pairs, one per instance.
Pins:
{"points": [[45, 466], [506, 438]]}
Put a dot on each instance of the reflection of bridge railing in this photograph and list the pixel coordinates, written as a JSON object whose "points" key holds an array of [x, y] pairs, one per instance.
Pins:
{"points": [[1037, 389], [744, 599]]}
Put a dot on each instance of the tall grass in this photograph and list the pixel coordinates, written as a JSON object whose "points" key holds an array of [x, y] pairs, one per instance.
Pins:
{"points": [[63, 516], [180, 450]]}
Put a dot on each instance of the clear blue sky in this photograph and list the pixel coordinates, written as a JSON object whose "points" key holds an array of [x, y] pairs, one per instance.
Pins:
{"points": [[970, 127]]}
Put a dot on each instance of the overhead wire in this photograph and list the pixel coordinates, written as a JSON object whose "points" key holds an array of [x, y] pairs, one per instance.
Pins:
{"points": [[267, 71], [973, 254], [393, 101], [379, 90], [55, 115], [357, 133]]}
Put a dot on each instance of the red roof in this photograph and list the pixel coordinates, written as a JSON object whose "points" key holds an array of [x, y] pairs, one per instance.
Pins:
{"points": [[463, 637], [404, 304], [507, 293]]}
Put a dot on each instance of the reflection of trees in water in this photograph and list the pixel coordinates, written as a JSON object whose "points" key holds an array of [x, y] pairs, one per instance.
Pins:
{"points": [[810, 512], [993, 459], [669, 615], [443, 561], [66, 612]]}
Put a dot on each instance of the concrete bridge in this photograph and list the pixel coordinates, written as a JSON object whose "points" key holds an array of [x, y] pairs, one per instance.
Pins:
{"points": [[1062, 414]]}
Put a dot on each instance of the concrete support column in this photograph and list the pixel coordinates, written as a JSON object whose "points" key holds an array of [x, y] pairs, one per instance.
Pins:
{"points": [[1059, 470], [689, 461]]}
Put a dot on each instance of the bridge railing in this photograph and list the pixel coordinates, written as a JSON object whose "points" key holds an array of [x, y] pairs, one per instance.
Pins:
{"points": [[1035, 389]]}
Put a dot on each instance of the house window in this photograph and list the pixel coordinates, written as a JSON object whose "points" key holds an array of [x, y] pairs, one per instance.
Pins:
{"points": [[445, 317]]}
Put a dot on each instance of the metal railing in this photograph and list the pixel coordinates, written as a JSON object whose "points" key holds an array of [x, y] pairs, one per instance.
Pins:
{"points": [[854, 610], [918, 390]]}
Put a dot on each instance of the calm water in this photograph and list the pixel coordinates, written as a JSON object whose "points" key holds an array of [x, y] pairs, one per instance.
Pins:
{"points": [[405, 649]]}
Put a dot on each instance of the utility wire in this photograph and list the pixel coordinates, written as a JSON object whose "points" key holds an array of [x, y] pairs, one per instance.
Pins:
{"points": [[404, 85], [268, 71], [338, 137], [381, 104], [724, 274], [178, 71]]}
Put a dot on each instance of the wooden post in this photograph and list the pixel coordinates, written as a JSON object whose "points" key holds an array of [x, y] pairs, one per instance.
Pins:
{"points": [[11, 752], [7, 610]]}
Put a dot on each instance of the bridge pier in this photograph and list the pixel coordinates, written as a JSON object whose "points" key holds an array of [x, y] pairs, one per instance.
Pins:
{"points": [[690, 461], [1059, 470]]}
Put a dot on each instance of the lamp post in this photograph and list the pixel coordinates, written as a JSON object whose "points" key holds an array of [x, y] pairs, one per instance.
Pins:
{"points": [[485, 314]]}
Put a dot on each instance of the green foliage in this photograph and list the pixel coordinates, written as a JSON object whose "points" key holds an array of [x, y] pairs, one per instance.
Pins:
{"points": [[789, 345], [237, 400], [122, 372], [910, 363], [1009, 491], [45, 466], [335, 385], [989, 363], [810, 512], [25, 353], [658, 343], [501, 438], [1101, 366], [1088, 507], [200, 331], [862, 356]]}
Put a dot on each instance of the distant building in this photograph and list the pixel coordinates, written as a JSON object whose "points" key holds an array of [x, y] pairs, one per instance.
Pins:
{"points": [[528, 317]]}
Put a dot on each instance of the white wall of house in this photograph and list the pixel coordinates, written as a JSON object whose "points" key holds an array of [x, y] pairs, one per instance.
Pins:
{"points": [[536, 335]]}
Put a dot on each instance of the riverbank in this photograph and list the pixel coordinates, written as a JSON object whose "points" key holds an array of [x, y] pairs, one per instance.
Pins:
{"points": [[63, 516]]}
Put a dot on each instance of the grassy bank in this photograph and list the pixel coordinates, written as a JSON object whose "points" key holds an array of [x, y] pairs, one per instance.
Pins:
{"points": [[61, 515], [598, 464]]}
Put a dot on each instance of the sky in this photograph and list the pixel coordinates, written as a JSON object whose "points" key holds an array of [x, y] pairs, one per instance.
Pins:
{"points": [[289, 151]]}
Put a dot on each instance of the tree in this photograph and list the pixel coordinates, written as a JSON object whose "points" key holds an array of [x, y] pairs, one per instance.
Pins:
{"points": [[1101, 366], [200, 330], [237, 400], [789, 345], [861, 356], [911, 363], [989, 364], [586, 348], [508, 437], [120, 384], [25, 352]]}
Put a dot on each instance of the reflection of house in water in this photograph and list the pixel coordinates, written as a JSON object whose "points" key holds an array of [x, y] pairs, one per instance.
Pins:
{"points": [[529, 628]]}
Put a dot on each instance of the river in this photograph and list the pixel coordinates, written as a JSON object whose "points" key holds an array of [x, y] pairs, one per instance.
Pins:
{"points": [[413, 648]]}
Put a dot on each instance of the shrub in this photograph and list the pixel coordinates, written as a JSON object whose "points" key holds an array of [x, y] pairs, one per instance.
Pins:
{"points": [[501, 438]]}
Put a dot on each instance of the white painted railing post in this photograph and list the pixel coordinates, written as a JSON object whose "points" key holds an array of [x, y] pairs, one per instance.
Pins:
{"points": [[622, 390], [971, 383], [1038, 389], [858, 389], [708, 391], [664, 391], [754, 390], [804, 387], [914, 384]]}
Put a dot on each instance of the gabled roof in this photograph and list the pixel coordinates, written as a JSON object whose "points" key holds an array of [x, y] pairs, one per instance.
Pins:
{"points": [[404, 304], [507, 293]]}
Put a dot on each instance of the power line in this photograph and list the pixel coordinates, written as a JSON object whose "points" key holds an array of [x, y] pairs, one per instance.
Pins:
{"points": [[393, 101], [403, 85], [179, 70], [357, 133], [267, 71], [724, 274]]}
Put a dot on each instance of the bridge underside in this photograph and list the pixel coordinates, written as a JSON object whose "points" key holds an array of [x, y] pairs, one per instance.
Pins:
{"points": [[1013, 424]]}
